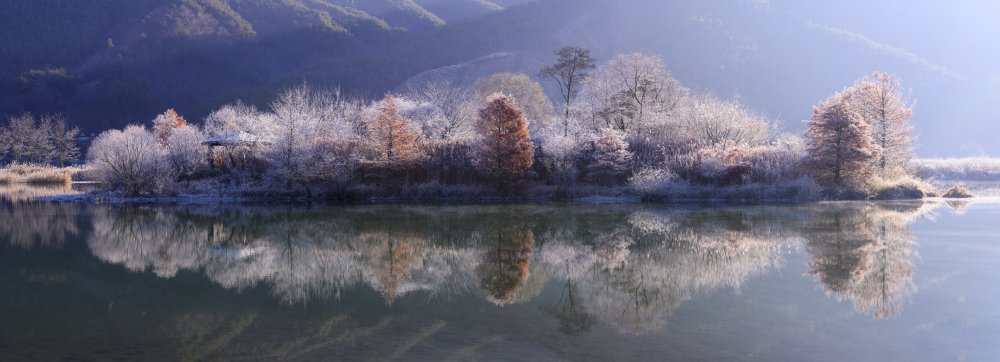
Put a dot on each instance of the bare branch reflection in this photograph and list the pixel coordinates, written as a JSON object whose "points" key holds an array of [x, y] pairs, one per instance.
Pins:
{"points": [[623, 268]]}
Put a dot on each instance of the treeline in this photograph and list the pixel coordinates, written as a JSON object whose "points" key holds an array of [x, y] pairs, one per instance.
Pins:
{"points": [[44, 139], [627, 123]]}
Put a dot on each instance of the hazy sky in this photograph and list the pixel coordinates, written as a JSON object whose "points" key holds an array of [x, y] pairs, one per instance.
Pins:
{"points": [[958, 40]]}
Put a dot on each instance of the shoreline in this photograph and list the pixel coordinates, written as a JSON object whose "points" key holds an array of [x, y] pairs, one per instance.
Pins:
{"points": [[584, 199]]}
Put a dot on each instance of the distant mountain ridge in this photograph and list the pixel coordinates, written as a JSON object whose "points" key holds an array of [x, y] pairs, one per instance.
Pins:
{"points": [[106, 63]]}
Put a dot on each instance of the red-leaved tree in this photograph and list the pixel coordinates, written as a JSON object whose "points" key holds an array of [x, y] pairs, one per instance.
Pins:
{"points": [[505, 152]]}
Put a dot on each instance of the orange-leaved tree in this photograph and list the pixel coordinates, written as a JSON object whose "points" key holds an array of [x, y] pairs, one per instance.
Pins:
{"points": [[394, 137], [505, 152], [840, 145], [164, 124]]}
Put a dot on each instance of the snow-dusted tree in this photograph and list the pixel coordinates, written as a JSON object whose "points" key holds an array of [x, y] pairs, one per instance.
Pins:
{"points": [[393, 137], [296, 155], [185, 152], [64, 146], [5, 141], [527, 93], [505, 152], [557, 157], [632, 93], [840, 147], [164, 124], [454, 113], [238, 121], [29, 138], [879, 99], [127, 160], [17, 132], [713, 121], [611, 157], [573, 66]]}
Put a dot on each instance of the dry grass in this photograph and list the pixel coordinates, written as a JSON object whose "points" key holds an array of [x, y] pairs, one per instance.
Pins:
{"points": [[37, 174], [966, 169]]}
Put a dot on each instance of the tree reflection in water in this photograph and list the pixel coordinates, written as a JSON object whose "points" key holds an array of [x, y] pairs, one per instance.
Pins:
{"points": [[624, 268], [865, 254]]}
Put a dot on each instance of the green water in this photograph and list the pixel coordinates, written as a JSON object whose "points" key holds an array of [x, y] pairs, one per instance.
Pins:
{"points": [[836, 282]]}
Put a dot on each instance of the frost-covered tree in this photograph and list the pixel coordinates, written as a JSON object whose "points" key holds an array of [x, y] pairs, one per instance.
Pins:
{"points": [[127, 160], [505, 152], [296, 154], [29, 138], [611, 157], [573, 66], [185, 153], [712, 121], [239, 121], [165, 124], [453, 114], [632, 93], [840, 147], [880, 101], [557, 157], [64, 146], [393, 137], [527, 93], [5, 140]]}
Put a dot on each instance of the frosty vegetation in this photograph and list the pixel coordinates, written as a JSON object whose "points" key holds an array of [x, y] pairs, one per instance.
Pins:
{"points": [[623, 127]]}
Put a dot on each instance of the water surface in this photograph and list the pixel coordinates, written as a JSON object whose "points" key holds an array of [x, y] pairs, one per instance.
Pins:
{"points": [[837, 281]]}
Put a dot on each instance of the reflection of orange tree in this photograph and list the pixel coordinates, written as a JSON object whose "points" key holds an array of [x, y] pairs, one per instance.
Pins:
{"points": [[506, 262], [865, 255], [397, 258]]}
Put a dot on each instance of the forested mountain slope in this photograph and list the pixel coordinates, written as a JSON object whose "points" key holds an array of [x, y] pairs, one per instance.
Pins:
{"points": [[110, 62]]}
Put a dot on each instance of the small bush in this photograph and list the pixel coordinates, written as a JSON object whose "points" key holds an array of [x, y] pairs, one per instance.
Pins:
{"points": [[129, 161], [651, 181], [958, 192], [903, 188]]}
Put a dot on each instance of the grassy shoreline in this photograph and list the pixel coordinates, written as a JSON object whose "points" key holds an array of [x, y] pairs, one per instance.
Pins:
{"points": [[20, 173]]}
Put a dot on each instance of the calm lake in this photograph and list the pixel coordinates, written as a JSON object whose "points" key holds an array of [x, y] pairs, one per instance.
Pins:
{"points": [[830, 282]]}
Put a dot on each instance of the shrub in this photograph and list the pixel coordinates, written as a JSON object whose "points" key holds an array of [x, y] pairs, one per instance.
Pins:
{"points": [[651, 181], [611, 157], [185, 154], [958, 192], [128, 161], [900, 188], [556, 159]]}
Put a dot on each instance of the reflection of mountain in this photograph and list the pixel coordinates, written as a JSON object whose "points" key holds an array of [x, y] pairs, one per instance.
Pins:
{"points": [[620, 268]]}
